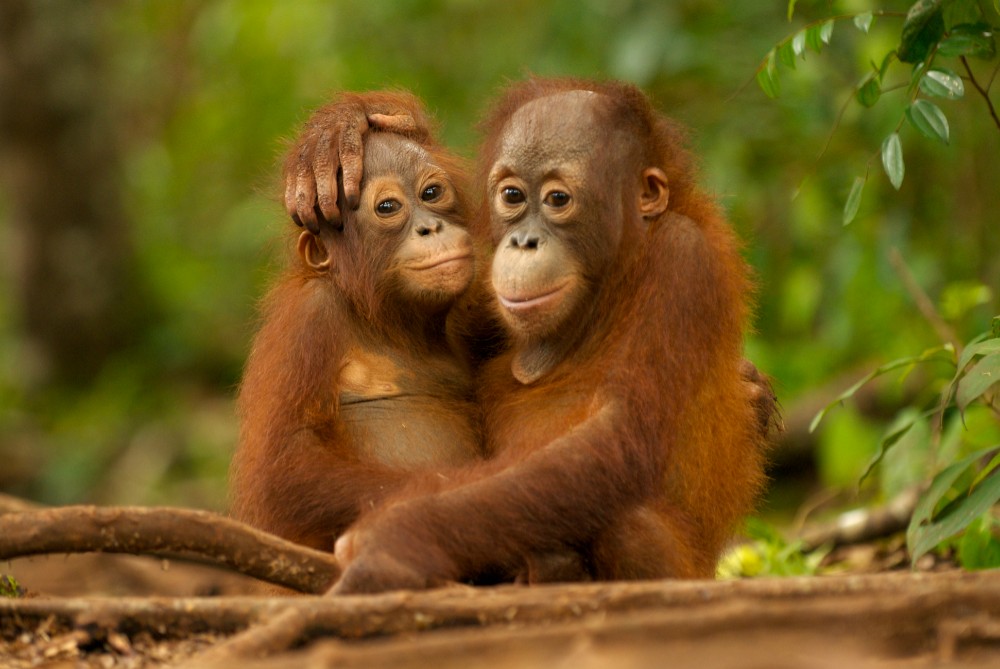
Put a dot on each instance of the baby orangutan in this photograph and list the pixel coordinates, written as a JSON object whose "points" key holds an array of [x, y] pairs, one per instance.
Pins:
{"points": [[354, 382]]}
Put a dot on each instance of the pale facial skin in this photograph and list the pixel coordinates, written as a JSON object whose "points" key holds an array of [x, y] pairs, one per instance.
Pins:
{"points": [[409, 198], [554, 235]]}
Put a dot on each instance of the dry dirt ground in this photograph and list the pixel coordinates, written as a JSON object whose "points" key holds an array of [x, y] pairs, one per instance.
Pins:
{"points": [[146, 616]]}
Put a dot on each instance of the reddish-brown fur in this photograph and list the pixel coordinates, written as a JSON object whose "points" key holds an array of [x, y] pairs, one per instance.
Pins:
{"points": [[636, 444], [305, 467]]}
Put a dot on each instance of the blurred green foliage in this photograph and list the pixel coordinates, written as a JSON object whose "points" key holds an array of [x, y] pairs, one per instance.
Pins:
{"points": [[934, 36], [206, 92], [767, 553], [9, 587], [959, 489]]}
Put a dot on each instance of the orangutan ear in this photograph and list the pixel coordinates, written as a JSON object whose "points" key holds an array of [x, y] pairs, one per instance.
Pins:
{"points": [[655, 194], [313, 252]]}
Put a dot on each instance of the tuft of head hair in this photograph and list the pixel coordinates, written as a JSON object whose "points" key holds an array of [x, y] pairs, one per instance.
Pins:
{"points": [[648, 138]]}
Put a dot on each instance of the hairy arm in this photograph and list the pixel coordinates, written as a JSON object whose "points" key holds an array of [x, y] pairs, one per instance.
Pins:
{"points": [[294, 473], [331, 143], [306, 488], [557, 497]]}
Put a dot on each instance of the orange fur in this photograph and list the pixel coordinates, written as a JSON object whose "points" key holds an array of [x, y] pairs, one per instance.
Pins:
{"points": [[641, 448], [303, 469]]}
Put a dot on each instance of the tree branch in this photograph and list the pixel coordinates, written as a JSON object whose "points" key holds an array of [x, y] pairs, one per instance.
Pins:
{"points": [[860, 525], [923, 302], [11, 504], [982, 91], [168, 532]]}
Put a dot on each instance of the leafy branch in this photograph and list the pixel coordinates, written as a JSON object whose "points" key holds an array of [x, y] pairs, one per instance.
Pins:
{"points": [[811, 36], [964, 490], [931, 29], [984, 92]]}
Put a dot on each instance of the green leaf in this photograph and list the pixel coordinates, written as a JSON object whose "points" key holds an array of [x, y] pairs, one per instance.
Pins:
{"points": [[940, 485], [943, 84], [926, 117], [826, 31], [814, 37], [978, 502], [957, 12], [863, 22], [892, 160], [923, 28], [791, 8], [869, 92], [886, 62], [978, 380], [974, 39], [9, 587], [799, 43], [930, 355], [985, 471], [767, 76], [980, 347], [892, 437], [995, 323], [786, 54], [978, 548], [916, 75], [853, 200]]}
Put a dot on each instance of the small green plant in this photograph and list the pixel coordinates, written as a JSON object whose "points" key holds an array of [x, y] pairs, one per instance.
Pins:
{"points": [[937, 39], [767, 553], [979, 547], [9, 588], [960, 497]]}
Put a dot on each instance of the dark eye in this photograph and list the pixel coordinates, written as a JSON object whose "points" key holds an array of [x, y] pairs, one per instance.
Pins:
{"points": [[512, 195], [557, 199], [388, 207], [431, 193]]}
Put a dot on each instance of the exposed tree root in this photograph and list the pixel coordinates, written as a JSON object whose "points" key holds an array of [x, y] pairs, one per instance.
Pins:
{"points": [[167, 532], [910, 619], [861, 525], [884, 615], [887, 615], [11, 504]]}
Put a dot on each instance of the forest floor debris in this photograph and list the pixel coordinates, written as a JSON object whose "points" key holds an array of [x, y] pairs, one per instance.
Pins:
{"points": [[100, 610]]}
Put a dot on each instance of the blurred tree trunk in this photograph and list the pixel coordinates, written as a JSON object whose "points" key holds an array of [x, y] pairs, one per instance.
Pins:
{"points": [[77, 294]]}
